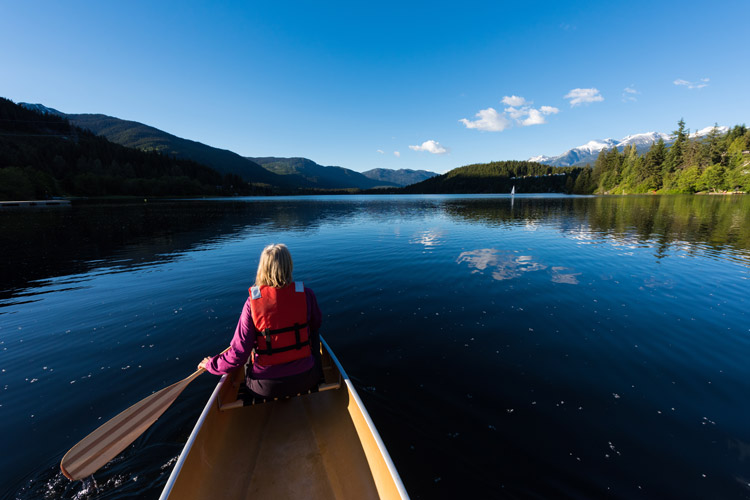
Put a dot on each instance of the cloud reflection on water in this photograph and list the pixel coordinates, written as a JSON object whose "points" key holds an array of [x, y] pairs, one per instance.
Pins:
{"points": [[507, 265], [558, 276]]}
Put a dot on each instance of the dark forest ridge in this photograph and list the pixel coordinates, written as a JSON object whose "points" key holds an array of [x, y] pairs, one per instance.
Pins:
{"points": [[285, 173], [44, 155], [50, 153]]}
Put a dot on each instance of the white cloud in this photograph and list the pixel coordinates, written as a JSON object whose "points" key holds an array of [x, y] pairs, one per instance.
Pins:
{"points": [[536, 116], [518, 110], [692, 85], [430, 146], [549, 110], [488, 120], [629, 93], [583, 96], [381, 151], [514, 101], [526, 115], [517, 113], [397, 154]]}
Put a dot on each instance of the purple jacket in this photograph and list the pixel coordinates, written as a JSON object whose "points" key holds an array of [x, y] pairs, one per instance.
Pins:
{"points": [[243, 343]]}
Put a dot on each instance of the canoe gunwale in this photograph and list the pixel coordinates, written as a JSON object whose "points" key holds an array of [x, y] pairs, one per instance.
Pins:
{"points": [[189, 444], [373, 430]]}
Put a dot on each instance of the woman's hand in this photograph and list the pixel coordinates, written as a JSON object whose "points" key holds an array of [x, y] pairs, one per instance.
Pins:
{"points": [[203, 363]]}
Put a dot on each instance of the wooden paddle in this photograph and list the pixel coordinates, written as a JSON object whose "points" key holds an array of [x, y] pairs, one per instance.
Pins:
{"points": [[102, 445]]}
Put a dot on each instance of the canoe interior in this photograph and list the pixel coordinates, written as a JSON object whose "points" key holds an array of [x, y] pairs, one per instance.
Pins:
{"points": [[312, 446]]}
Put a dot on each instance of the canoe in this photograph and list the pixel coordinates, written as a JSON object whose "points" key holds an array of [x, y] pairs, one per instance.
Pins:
{"points": [[317, 445]]}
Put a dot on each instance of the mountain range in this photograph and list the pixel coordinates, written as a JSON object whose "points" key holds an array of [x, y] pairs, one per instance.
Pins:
{"points": [[400, 177], [285, 173], [311, 175], [139, 136], [588, 152]]}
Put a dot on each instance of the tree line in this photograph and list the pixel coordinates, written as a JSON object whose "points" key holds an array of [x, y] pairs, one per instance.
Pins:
{"points": [[501, 177], [717, 162], [43, 156]]}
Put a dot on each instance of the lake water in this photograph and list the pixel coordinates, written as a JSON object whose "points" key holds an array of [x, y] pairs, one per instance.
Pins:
{"points": [[535, 347]]}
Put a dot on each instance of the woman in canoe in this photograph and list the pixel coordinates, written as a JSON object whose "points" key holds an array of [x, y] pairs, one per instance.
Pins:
{"points": [[279, 328]]}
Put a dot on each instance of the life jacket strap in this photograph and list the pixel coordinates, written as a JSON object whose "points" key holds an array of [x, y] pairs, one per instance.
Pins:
{"points": [[297, 344], [282, 349]]}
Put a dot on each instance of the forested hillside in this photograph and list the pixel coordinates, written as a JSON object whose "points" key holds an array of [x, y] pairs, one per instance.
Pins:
{"points": [[43, 155], [307, 173], [714, 163], [501, 177], [144, 137], [285, 174], [400, 177]]}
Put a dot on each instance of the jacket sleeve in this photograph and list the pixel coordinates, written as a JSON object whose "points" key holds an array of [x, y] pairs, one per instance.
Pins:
{"points": [[240, 348]]}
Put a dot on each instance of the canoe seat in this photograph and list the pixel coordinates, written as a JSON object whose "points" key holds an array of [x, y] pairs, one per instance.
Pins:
{"points": [[245, 399], [330, 380]]}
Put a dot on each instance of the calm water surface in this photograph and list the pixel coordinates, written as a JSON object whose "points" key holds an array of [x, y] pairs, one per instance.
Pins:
{"points": [[541, 347]]}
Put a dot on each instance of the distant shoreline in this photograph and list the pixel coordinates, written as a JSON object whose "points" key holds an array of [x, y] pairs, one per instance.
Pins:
{"points": [[34, 204], [67, 202]]}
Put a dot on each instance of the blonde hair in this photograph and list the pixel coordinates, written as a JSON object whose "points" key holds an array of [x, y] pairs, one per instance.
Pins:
{"points": [[275, 266]]}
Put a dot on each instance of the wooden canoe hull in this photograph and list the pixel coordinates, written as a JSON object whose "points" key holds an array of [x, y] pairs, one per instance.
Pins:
{"points": [[320, 445]]}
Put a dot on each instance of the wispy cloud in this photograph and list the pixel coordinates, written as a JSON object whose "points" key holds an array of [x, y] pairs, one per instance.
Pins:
{"points": [[488, 120], [397, 154], [518, 110], [692, 85], [517, 113], [431, 146], [629, 93], [381, 151], [583, 96], [514, 101]]}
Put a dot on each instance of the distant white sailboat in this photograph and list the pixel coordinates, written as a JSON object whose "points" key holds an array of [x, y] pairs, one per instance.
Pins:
{"points": [[513, 191]]}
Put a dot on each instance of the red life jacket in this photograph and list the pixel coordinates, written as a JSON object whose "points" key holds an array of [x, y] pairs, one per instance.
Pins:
{"points": [[280, 315]]}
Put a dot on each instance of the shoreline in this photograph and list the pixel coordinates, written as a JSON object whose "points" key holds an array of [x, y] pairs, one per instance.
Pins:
{"points": [[34, 204], [67, 202]]}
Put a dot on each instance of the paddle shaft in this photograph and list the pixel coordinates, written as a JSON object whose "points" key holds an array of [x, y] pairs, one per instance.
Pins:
{"points": [[104, 443]]}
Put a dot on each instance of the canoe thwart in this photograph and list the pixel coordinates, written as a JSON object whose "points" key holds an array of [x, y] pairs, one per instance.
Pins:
{"points": [[244, 399]]}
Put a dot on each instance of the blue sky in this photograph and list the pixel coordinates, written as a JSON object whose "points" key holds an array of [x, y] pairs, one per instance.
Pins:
{"points": [[394, 85]]}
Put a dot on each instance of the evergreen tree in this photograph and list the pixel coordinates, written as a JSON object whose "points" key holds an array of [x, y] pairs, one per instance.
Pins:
{"points": [[674, 157], [711, 151], [653, 165], [687, 182], [713, 178]]}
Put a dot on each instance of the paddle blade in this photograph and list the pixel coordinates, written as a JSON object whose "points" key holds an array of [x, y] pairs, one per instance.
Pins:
{"points": [[102, 445]]}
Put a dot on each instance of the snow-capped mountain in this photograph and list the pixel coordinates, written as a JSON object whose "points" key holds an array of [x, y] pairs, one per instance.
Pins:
{"points": [[574, 156], [589, 151]]}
